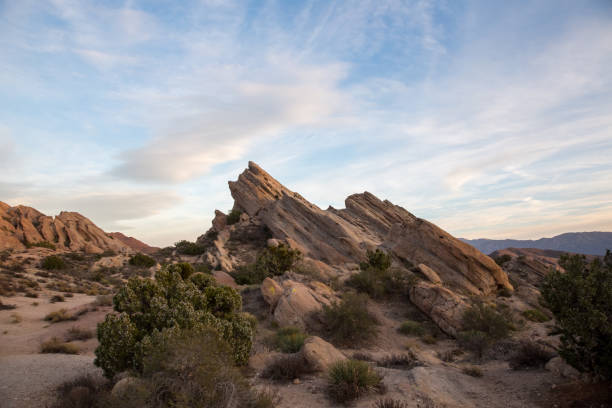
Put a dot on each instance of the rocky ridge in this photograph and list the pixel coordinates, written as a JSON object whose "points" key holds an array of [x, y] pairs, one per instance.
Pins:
{"points": [[332, 241], [22, 226]]}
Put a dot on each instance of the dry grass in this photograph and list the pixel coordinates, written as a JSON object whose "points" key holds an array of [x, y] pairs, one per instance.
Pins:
{"points": [[59, 316], [286, 368], [78, 333], [55, 345]]}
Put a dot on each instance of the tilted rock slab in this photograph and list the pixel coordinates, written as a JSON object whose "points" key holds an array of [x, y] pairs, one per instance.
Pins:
{"points": [[443, 306], [338, 237], [320, 354]]}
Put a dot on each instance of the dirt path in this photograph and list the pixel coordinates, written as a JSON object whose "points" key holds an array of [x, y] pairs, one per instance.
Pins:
{"points": [[28, 381]]}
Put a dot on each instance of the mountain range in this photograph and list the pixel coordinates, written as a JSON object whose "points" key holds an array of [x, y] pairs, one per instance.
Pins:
{"points": [[590, 243]]}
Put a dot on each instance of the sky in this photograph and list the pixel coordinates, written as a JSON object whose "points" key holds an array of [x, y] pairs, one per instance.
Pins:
{"points": [[492, 119]]}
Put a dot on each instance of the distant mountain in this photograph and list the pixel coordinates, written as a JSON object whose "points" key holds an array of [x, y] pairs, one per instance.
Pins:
{"points": [[134, 243], [22, 227], [591, 243]]}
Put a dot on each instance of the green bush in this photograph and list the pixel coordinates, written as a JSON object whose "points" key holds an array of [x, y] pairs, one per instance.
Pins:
{"points": [[581, 301], [350, 379], [52, 262], [271, 261], [145, 307], [472, 371], [377, 279], [189, 248], [535, 315], [142, 260], [410, 327], [289, 339], [349, 322], [487, 319], [233, 217]]}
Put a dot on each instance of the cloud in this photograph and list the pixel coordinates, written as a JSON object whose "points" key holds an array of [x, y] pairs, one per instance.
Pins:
{"points": [[208, 131]]}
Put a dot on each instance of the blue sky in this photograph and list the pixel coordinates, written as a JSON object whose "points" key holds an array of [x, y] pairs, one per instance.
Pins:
{"points": [[490, 118]]}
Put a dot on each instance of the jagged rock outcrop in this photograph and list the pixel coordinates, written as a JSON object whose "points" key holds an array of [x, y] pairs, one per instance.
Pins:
{"points": [[338, 237], [21, 226], [298, 302], [443, 306], [134, 243]]}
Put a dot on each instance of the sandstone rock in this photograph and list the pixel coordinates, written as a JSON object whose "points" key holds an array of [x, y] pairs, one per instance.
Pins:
{"points": [[67, 231], [271, 291], [296, 304], [443, 306], [337, 237], [430, 274], [224, 279], [559, 367], [271, 243], [320, 354], [109, 262], [220, 221]]}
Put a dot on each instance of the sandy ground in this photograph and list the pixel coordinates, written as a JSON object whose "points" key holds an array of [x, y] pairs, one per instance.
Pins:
{"points": [[28, 379]]}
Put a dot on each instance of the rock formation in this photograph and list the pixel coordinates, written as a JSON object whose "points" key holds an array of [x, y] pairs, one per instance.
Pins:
{"points": [[134, 243], [21, 226], [339, 237]]}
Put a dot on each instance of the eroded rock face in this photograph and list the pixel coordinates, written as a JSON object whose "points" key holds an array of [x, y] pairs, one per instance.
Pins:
{"points": [[443, 306], [300, 302], [271, 291], [338, 237], [67, 231], [134, 243]]}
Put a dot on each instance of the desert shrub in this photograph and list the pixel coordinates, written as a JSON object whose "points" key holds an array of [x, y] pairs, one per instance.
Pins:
{"points": [[142, 261], [42, 244], [474, 341], [390, 403], [103, 300], [535, 315], [472, 371], [450, 356], [410, 327], [377, 279], [53, 262], [289, 339], [429, 339], [405, 361], [59, 316], [68, 294], [349, 322], [185, 247], [202, 267], [55, 345], [192, 368], [271, 261], [33, 295], [145, 307], [581, 301], [16, 318], [350, 379], [82, 392], [530, 355], [286, 367], [488, 320], [185, 269], [56, 298], [78, 333], [233, 217], [502, 259]]}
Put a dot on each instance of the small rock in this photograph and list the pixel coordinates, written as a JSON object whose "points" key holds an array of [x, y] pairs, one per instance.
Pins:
{"points": [[559, 367], [296, 380]]}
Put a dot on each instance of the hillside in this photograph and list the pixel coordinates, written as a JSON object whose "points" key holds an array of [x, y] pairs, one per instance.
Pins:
{"points": [[22, 226], [590, 243], [134, 243]]}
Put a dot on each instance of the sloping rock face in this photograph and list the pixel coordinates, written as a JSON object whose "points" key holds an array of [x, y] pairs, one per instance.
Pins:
{"points": [[134, 243], [339, 237], [21, 225]]}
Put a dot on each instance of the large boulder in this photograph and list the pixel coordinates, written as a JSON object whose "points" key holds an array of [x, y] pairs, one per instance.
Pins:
{"points": [[559, 367], [297, 304], [271, 291], [224, 279], [320, 354], [443, 306], [430, 274]]}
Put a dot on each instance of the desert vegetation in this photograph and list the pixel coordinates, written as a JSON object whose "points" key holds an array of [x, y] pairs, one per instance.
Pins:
{"points": [[351, 379], [349, 322], [147, 309], [272, 261]]}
